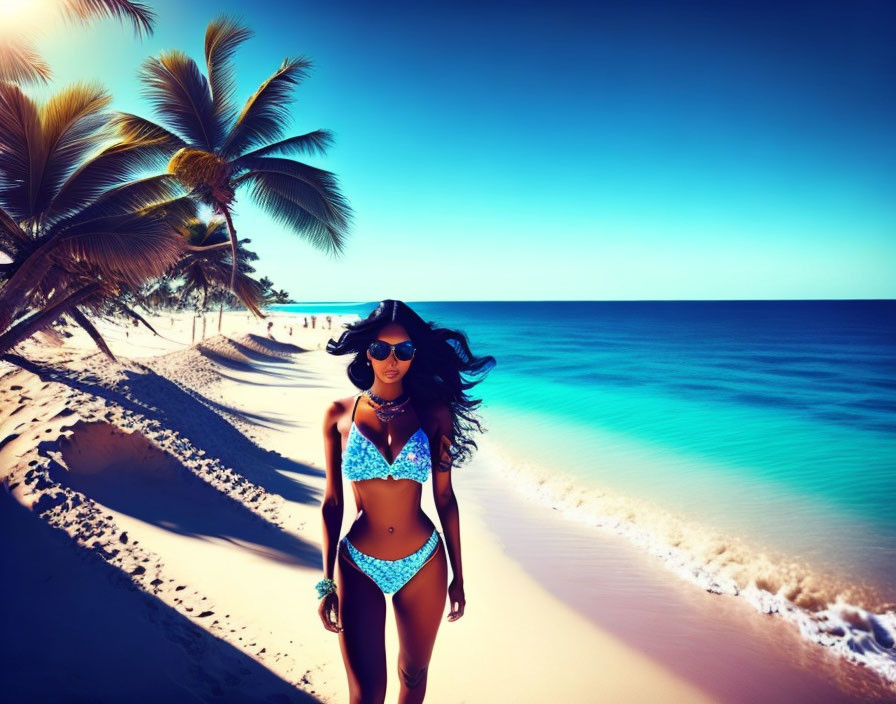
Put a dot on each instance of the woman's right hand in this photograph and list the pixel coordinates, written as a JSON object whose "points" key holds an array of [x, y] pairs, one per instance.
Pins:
{"points": [[329, 612]]}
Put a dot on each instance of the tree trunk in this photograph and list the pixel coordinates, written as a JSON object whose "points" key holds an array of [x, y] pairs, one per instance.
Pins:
{"points": [[12, 228], [34, 322], [204, 308], [220, 315], [233, 245]]}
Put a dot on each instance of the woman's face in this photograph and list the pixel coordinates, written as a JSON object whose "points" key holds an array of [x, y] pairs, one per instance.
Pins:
{"points": [[391, 369]]}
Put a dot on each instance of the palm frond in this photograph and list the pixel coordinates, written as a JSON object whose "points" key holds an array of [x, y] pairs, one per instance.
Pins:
{"points": [[95, 335], [222, 37], [312, 143], [137, 12], [126, 198], [56, 279], [12, 237], [132, 128], [173, 211], [200, 235], [180, 94], [267, 112], [316, 189], [320, 218], [20, 151], [38, 320], [73, 123], [211, 267], [131, 248], [194, 278], [20, 62], [112, 167], [18, 290], [134, 314], [204, 241], [249, 292], [216, 232]]}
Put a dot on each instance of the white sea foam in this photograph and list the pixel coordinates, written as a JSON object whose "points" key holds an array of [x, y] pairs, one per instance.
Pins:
{"points": [[853, 620]]}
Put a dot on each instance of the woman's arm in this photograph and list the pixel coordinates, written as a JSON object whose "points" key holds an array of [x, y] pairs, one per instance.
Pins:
{"points": [[446, 505], [332, 504]]}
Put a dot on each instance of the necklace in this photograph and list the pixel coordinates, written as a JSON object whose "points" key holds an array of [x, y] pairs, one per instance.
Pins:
{"points": [[386, 409]]}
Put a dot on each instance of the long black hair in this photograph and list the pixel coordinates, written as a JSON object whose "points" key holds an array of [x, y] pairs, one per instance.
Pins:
{"points": [[443, 355]]}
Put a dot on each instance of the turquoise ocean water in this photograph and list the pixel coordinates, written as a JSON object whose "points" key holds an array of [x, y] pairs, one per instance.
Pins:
{"points": [[751, 445]]}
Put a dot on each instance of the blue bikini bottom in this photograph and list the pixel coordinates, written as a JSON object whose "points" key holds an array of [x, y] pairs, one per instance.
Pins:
{"points": [[392, 575]]}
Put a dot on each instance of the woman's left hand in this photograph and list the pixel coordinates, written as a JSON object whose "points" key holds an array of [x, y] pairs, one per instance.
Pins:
{"points": [[456, 599]]}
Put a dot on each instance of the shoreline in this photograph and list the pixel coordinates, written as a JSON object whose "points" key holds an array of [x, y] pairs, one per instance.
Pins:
{"points": [[819, 607], [718, 641], [263, 462]]}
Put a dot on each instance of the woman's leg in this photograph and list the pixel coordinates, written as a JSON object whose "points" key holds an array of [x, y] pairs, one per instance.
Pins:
{"points": [[362, 613], [419, 607]]}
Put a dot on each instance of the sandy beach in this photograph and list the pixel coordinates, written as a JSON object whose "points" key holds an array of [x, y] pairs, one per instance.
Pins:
{"points": [[170, 504], [163, 528]]}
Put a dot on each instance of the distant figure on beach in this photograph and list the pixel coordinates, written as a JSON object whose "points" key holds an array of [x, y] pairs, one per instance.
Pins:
{"points": [[329, 322], [306, 322], [410, 420], [313, 321], [270, 325], [290, 330]]}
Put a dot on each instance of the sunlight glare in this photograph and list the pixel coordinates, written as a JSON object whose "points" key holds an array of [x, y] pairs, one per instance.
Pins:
{"points": [[17, 15]]}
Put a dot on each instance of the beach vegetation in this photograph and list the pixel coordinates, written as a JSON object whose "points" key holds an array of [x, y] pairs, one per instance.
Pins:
{"points": [[205, 267], [215, 150], [99, 210], [81, 225]]}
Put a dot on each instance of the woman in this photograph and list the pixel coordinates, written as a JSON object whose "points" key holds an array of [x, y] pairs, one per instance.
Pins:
{"points": [[412, 417]]}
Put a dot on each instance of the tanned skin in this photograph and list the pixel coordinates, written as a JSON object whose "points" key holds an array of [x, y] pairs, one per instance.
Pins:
{"points": [[389, 524]]}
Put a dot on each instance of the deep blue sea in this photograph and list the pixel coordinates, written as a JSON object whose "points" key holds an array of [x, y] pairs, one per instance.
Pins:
{"points": [[750, 444]]}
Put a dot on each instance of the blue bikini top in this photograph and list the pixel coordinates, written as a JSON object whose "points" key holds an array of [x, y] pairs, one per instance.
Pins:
{"points": [[362, 459]]}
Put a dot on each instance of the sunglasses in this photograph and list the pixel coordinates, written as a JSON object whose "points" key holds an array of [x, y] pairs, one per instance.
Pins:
{"points": [[380, 350]]}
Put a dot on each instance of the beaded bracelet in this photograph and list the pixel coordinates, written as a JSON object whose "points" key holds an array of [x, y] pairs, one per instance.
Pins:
{"points": [[324, 587]]}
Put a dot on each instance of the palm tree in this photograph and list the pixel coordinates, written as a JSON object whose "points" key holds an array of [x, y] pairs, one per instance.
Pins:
{"points": [[159, 294], [215, 150], [20, 62], [77, 227], [206, 266], [281, 296], [272, 295]]}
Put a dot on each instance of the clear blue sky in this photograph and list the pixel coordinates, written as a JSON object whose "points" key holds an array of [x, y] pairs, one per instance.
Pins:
{"points": [[664, 150]]}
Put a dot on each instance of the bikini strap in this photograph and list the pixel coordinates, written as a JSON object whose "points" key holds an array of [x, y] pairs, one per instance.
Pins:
{"points": [[355, 407]]}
